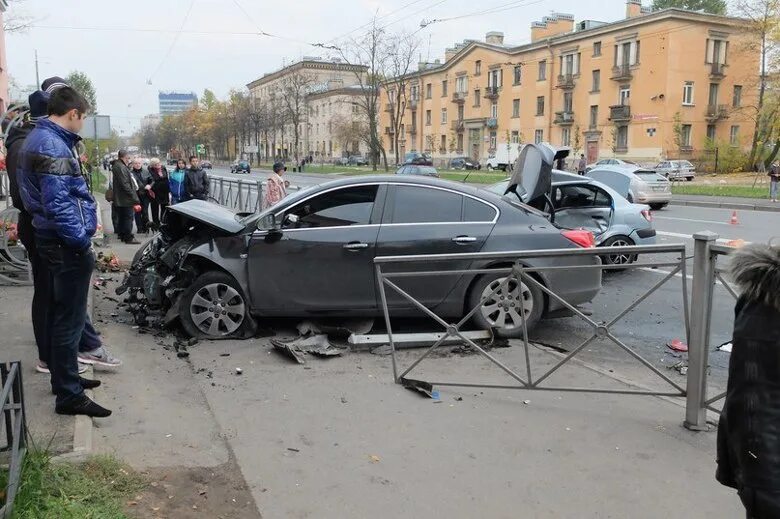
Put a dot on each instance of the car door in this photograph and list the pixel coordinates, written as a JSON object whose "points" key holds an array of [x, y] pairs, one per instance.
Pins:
{"points": [[421, 219], [582, 206], [321, 259]]}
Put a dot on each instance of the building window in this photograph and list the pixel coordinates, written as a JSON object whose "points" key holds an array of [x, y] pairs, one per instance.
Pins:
{"points": [[444, 88], [518, 75], [493, 140], [478, 67], [711, 132], [596, 81], [461, 111], [444, 116], [688, 93], [685, 136], [515, 108], [714, 89], [596, 49], [515, 138], [622, 138], [717, 51], [627, 54], [594, 116], [462, 84], [477, 98], [494, 110], [542, 70], [538, 136], [624, 96], [415, 94], [734, 136], [736, 102], [567, 102], [540, 105], [570, 64], [565, 137], [427, 118], [495, 78], [443, 147], [428, 91]]}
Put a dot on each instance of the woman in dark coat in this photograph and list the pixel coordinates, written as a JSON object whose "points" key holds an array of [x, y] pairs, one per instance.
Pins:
{"points": [[161, 190], [749, 427]]}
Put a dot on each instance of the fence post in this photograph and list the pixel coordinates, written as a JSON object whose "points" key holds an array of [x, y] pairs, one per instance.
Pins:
{"points": [[240, 194], [259, 201], [221, 191], [701, 315]]}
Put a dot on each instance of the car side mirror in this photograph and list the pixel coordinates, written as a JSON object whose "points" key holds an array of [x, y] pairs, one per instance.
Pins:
{"points": [[268, 222]]}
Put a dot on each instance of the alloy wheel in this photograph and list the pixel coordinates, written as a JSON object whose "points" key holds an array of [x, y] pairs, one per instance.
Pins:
{"points": [[502, 308], [620, 259], [217, 309]]}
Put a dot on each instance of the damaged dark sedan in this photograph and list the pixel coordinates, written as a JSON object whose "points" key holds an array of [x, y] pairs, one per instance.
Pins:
{"points": [[312, 255]]}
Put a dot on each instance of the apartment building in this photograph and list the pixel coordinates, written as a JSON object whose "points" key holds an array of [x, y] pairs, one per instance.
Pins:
{"points": [[656, 84], [336, 123], [325, 85]]}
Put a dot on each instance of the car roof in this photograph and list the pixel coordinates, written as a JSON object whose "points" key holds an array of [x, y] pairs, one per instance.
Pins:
{"points": [[467, 189]]}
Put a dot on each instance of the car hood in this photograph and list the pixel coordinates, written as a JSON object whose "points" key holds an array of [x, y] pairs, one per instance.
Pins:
{"points": [[210, 214], [532, 175]]}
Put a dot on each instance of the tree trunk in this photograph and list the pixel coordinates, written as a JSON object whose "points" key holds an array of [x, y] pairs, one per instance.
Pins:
{"points": [[762, 88]]}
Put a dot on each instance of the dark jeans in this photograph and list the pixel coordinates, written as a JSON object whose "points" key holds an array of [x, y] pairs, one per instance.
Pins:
{"points": [[115, 218], [158, 210], [124, 226], [70, 272], [142, 218], [760, 504]]}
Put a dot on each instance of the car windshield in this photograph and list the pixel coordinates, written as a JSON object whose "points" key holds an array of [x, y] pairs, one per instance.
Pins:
{"points": [[426, 170], [294, 197], [686, 164], [646, 174]]}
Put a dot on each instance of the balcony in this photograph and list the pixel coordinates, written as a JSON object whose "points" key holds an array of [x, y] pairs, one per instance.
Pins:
{"points": [[565, 118], [620, 113], [622, 72], [492, 123], [491, 92], [459, 97], [566, 81], [413, 103], [412, 131], [458, 125], [717, 71], [717, 112]]}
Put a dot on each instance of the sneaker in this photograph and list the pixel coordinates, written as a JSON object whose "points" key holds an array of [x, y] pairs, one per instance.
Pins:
{"points": [[99, 357], [42, 367], [84, 406], [85, 384]]}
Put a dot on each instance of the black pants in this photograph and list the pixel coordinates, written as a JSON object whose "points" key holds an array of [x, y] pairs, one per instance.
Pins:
{"points": [[158, 209], [124, 226], [142, 218], [115, 218], [760, 504], [70, 272]]}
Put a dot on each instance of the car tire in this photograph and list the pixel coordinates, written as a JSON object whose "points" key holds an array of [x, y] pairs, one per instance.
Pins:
{"points": [[657, 207], [489, 167], [689, 179], [215, 292], [618, 259], [512, 327]]}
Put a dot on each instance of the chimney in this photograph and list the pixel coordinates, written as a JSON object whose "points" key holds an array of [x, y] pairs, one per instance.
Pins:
{"points": [[633, 8], [538, 30], [494, 38], [449, 53], [553, 25]]}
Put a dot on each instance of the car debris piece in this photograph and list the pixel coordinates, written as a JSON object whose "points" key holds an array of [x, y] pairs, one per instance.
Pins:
{"points": [[384, 349], [239, 371], [411, 340], [315, 345], [677, 345], [425, 388], [288, 351], [726, 347], [341, 328]]}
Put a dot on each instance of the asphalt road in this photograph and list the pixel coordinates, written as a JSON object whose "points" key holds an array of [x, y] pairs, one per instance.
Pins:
{"points": [[658, 319]]}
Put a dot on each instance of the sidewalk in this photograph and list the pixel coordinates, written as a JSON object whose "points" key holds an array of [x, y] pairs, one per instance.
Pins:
{"points": [[726, 202]]}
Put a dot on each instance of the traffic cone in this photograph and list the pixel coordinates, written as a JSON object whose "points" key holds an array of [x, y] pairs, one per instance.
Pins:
{"points": [[734, 220]]}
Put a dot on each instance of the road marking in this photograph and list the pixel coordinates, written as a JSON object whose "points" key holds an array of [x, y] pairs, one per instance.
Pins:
{"points": [[690, 237], [663, 272], [689, 220]]}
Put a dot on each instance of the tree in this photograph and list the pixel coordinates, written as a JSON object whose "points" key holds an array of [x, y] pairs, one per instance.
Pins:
{"points": [[347, 130], [17, 21], [292, 92], [396, 81], [81, 83], [708, 6]]}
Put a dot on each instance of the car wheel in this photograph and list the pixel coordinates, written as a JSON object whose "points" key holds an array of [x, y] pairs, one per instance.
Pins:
{"points": [[618, 259], [214, 307], [689, 179], [489, 167], [501, 311], [657, 207]]}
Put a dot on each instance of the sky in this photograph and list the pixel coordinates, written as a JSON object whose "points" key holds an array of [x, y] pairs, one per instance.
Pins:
{"points": [[132, 50]]}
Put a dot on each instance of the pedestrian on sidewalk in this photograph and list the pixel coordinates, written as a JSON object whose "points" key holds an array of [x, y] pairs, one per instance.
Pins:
{"points": [[54, 191], [144, 181], [582, 165], [276, 187], [160, 193], [177, 183], [748, 446], [125, 197], [774, 180], [197, 181]]}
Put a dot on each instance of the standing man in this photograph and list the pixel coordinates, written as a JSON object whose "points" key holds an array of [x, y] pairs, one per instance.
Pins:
{"points": [[774, 180], [582, 165], [64, 214], [125, 197], [197, 181], [143, 179]]}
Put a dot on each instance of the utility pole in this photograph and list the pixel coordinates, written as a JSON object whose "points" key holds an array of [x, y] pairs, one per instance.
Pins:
{"points": [[37, 75]]}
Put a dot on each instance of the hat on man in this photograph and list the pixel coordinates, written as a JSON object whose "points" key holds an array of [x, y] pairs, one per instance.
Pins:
{"points": [[278, 166], [51, 84], [39, 104]]}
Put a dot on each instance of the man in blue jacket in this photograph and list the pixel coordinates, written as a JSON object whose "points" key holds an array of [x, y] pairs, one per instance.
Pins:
{"points": [[64, 215]]}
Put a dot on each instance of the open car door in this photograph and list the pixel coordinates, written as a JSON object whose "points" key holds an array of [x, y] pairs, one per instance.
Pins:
{"points": [[579, 205], [531, 178]]}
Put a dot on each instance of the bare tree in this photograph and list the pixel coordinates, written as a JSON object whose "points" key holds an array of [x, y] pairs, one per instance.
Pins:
{"points": [[17, 20], [347, 130], [396, 82], [293, 90]]}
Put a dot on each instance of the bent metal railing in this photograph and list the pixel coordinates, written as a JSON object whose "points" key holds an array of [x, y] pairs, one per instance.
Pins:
{"points": [[521, 272], [13, 419]]}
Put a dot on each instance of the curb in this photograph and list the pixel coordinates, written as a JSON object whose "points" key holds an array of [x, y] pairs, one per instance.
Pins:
{"points": [[726, 205]]}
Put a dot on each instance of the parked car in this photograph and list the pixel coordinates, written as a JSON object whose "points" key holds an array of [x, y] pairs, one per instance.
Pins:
{"points": [[583, 203], [205, 164], [464, 163], [676, 169], [357, 160], [418, 159], [610, 162], [425, 171], [241, 166], [636, 184], [342, 161], [312, 254]]}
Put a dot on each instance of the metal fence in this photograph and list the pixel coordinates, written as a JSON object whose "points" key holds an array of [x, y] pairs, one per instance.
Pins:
{"points": [[14, 264], [242, 196], [13, 418]]}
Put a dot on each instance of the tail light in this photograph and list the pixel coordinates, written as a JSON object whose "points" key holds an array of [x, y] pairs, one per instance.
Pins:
{"points": [[648, 215], [581, 238]]}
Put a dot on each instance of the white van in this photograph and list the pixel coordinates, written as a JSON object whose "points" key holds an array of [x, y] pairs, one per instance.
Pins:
{"points": [[504, 158]]}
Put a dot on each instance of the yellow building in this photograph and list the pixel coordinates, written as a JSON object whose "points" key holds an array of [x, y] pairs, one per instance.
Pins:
{"points": [[653, 85]]}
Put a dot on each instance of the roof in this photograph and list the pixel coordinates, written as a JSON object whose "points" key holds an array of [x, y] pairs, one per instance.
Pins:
{"points": [[352, 90], [305, 63]]}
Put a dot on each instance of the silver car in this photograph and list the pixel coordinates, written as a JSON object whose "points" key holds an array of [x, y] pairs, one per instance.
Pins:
{"points": [[583, 203], [636, 184], [676, 169], [609, 162]]}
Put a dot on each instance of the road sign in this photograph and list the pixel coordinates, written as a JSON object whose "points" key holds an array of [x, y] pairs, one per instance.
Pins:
{"points": [[200, 148], [99, 125]]}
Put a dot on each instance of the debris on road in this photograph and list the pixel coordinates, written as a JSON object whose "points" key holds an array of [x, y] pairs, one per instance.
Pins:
{"points": [[341, 328], [384, 349], [291, 449], [239, 371], [315, 345], [726, 347], [426, 388], [681, 367], [677, 345], [374, 459]]}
